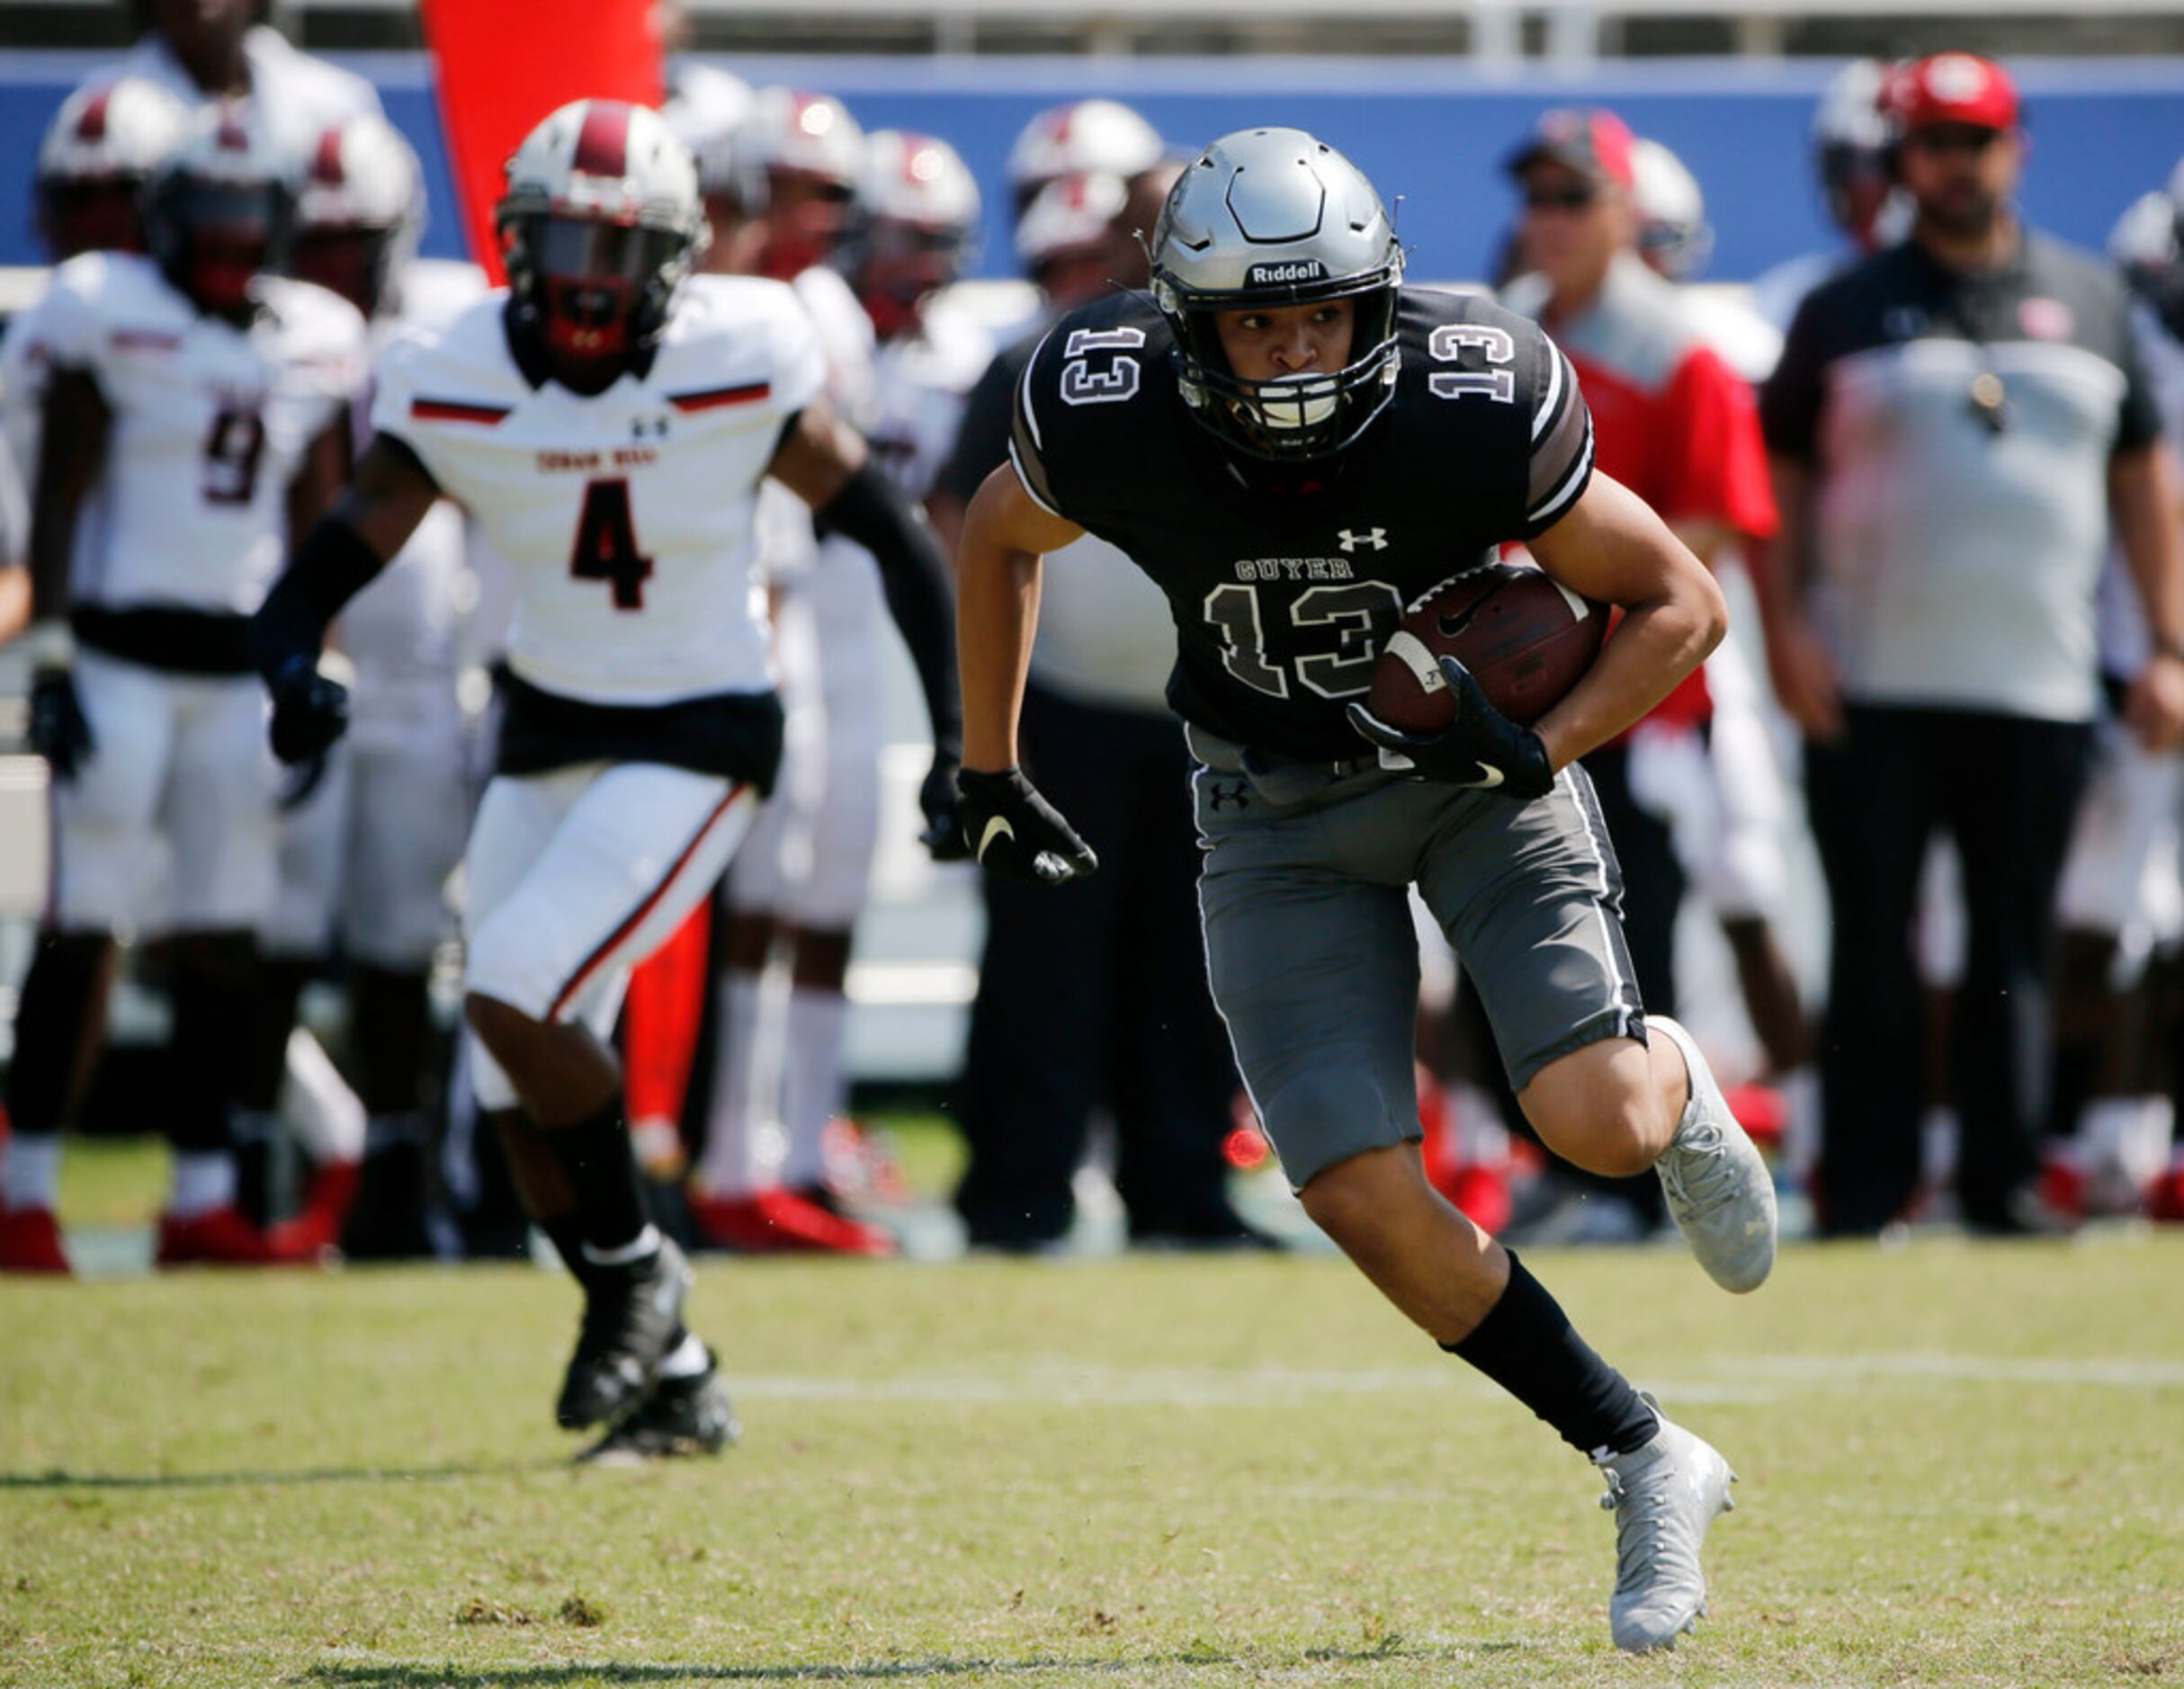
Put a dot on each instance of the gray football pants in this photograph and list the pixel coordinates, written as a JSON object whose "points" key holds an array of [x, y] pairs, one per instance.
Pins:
{"points": [[1313, 958]]}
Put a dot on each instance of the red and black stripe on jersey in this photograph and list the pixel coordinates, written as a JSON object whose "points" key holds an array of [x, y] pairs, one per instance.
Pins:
{"points": [[1284, 584]]}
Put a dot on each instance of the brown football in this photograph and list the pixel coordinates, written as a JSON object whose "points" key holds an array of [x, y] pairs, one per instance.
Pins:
{"points": [[1526, 637]]}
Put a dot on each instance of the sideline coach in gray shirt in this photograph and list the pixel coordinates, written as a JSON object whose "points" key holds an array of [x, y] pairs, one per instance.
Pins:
{"points": [[1952, 427]]}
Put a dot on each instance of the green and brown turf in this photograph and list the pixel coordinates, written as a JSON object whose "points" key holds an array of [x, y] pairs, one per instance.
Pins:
{"points": [[1961, 1465]]}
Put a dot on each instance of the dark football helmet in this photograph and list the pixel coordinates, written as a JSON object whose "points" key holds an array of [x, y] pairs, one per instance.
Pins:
{"points": [[220, 210], [1268, 217]]}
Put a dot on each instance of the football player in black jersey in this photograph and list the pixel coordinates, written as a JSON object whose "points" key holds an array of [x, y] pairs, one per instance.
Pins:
{"points": [[1294, 447]]}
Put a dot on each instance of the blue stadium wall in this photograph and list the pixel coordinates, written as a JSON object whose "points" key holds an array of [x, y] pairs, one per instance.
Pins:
{"points": [[1430, 132]]}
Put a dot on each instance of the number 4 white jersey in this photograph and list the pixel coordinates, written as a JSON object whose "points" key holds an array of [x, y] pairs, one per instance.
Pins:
{"points": [[628, 515], [210, 423]]}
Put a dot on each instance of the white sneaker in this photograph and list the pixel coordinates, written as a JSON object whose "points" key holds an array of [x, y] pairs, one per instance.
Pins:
{"points": [[1664, 1495], [1719, 1191]]}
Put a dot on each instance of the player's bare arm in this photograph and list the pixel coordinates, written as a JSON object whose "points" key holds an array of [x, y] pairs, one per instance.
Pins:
{"points": [[341, 554], [72, 451], [1006, 533], [2147, 504], [825, 462], [1009, 826], [1804, 673], [1613, 548], [327, 463]]}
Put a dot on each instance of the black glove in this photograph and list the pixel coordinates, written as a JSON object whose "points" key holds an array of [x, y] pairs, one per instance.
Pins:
{"points": [[310, 710], [1011, 829], [943, 806], [1481, 747], [58, 730]]}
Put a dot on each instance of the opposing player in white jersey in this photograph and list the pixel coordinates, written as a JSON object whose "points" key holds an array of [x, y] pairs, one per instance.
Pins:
{"points": [[93, 162], [204, 51], [1850, 140], [917, 234], [194, 406], [608, 421], [796, 891], [2121, 902], [762, 1181], [368, 844]]}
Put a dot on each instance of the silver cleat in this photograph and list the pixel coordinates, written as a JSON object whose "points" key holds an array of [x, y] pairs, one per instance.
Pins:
{"points": [[1664, 1496], [1719, 1190]]}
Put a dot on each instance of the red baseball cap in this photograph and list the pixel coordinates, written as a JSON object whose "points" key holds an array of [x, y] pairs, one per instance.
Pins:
{"points": [[1952, 88], [1595, 144]]}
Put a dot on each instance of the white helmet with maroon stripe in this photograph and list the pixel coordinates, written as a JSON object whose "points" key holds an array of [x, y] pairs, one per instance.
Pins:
{"points": [[98, 152], [794, 128], [917, 216], [1084, 138], [798, 158], [361, 211], [600, 223]]}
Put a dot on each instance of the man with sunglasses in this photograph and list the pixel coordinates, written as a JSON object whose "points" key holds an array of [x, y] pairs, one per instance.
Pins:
{"points": [[1954, 425], [1676, 425]]}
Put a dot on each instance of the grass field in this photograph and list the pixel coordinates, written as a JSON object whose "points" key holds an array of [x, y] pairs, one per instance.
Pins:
{"points": [[1960, 1466]]}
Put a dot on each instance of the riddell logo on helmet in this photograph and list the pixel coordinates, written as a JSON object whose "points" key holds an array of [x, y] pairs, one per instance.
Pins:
{"points": [[1260, 275]]}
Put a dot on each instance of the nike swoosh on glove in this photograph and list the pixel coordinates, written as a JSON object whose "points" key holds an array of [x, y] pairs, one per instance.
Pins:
{"points": [[943, 806], [1011, 829], [310, 710], [1481, 748]]}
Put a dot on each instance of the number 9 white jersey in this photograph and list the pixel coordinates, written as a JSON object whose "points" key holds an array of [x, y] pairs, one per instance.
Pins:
{"points": [[210, 423], [627, 516]]}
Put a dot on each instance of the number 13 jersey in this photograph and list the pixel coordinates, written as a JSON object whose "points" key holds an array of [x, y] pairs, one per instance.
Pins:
{"points": [[1285, 581], [627, 516]]}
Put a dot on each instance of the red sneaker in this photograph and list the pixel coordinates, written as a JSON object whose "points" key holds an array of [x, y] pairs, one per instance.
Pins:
{"points": [[780, 1222], [2165, 1197], [29, 1242], [315, 1229], [219, 1237]]}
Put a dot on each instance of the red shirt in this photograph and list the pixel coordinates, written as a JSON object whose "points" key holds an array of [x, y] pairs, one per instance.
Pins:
{"points": [[1671, 421]]}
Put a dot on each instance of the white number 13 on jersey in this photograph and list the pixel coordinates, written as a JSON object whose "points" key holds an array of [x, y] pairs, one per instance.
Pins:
{"points": [[1090, 379]]}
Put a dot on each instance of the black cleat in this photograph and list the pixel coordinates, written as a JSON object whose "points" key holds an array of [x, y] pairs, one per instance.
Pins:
{"points": [[633, 1316], [683, 1417]]}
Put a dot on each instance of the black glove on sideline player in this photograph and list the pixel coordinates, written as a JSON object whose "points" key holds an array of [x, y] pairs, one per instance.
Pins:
{"points": [[310, 710], [1011, 829], [1481, 748], [58, 729], [943, 806]]}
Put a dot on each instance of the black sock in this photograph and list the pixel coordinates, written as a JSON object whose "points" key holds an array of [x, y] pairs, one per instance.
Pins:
{"points": [[602, 1169], [1528, 1345], [568, 1239]]}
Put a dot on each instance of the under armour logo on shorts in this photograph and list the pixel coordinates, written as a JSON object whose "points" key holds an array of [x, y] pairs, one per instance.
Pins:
{"points": [[1222, 795]]}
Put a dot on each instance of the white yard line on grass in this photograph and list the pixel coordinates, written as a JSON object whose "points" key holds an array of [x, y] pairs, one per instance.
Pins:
{"points": [[1729, 1380]]}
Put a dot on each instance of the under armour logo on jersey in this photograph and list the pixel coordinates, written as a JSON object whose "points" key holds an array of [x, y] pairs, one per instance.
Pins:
{"points": [[1222, 795], [1376, 537], [640, 427]]}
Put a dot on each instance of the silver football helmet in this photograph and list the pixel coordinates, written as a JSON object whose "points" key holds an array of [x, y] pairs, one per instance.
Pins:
{"points": [[1269, 218]]}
